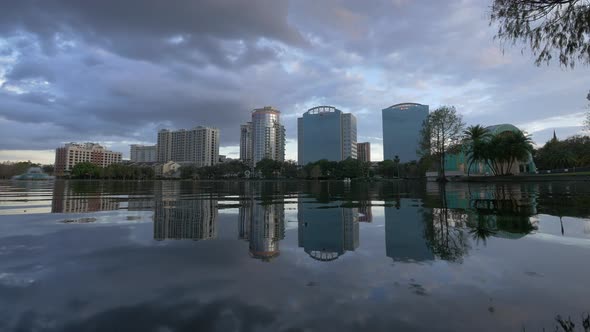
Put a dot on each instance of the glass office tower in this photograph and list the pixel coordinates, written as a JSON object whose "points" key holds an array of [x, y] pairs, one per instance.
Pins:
{"points": [[325, 132], [401, 130]]}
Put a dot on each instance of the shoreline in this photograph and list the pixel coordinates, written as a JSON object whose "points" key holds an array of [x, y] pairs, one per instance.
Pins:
{"points": [[474, 179]]}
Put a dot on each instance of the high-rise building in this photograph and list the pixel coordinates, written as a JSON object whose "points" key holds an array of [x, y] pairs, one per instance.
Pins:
{"points": [[69, 155], [267, 136], [325, 132], [402, 124], [363, 151], [246, 143], [199, 145], [143, 153]]}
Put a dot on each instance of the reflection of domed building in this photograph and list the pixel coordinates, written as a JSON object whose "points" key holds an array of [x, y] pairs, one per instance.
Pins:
{"points": [[263, 226], [326, 233]]}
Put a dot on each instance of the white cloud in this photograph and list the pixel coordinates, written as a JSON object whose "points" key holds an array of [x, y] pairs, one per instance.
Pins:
{"points": [[35, 156]]}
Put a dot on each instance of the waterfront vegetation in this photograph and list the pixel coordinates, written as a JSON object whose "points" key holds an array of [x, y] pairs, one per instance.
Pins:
{"points": [[87, 170], [568, 153], [9, 169]]}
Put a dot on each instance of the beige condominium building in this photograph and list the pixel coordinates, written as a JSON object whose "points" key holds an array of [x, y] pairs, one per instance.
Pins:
{"points": [[199, 146], [143, 153], [67, 156]]}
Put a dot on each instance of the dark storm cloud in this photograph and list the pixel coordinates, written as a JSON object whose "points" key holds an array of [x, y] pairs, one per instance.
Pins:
{"points": [[117, 71]]}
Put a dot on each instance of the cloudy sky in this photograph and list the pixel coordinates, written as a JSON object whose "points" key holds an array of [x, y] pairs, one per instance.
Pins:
{"points": [[117, 71]]}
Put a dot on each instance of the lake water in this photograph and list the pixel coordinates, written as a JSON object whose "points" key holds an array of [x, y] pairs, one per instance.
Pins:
{"points": [[292, 256]]}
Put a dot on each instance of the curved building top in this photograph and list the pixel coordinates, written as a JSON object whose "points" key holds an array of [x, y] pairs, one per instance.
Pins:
{"points": [[404, 105], [266, 109], [500, 128], [322, 110]]}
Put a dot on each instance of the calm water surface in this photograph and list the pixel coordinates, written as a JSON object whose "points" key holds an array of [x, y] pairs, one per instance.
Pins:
{"points": [[292, 256]]}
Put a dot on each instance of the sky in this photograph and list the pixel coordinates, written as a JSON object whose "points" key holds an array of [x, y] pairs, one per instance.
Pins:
{"points": [[115, 72]]}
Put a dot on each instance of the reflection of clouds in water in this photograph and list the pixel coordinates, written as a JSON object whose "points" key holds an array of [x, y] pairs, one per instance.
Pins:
{"points": [[15, 280]]}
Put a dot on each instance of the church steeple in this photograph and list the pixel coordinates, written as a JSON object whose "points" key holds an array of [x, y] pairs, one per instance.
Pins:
{"points": [[554, 139]]}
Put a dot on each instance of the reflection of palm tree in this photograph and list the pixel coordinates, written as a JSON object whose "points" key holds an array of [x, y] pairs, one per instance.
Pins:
{"points": [[481, 231]]}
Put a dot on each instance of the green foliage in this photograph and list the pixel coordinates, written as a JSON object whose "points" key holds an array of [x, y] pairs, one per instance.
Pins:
{"points": [[85, 170], [549, 27], [127, 172], [88, 170], [325, 169], [231, 169], [502, 151], [9, 169], [269, 168], [571, 152], [441, 131], [475, 139], [48, 169]]}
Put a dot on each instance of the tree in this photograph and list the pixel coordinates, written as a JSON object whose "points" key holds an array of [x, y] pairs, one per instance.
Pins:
{"points": [[386, 168], [475, 138], [587, 122], [549, 27], [269, 167], [503, 150], [396, 162], [440, 131], [571, 152], [85, 170]]}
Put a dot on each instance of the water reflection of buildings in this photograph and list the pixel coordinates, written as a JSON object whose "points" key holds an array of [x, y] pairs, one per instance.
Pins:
{"points": [[325, 232], [263, 226], [72, 197], [506, 211], [177, 217], [405, 231], [365, 213]]}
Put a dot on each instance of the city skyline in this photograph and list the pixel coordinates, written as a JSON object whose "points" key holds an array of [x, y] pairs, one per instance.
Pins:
{"points": [[147, 74]]}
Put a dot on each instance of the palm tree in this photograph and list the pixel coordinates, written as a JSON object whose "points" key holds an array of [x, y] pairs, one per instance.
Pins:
{"points": [[396, 161], [475, 137]]}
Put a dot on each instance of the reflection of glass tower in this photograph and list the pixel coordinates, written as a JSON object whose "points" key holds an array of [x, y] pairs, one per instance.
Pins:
{"points": [[405, 230], [365, 212], [176, 218], [327, 233], [67, 200], [263, 226]]}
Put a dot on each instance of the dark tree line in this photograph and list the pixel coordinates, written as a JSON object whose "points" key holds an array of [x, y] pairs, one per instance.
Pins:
{"points": [[9, 169], [571, 152], [88, 170]]}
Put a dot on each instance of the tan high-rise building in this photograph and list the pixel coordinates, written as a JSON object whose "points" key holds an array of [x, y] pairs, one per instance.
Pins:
{"points": [[199, 145], [267, 136], [246, 143], [69, 155], [364, 151], [143, 153]]}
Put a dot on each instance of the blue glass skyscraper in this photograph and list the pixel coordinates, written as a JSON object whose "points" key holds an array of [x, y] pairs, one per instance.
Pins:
{"points": [[325, 132], [401, 130]]}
